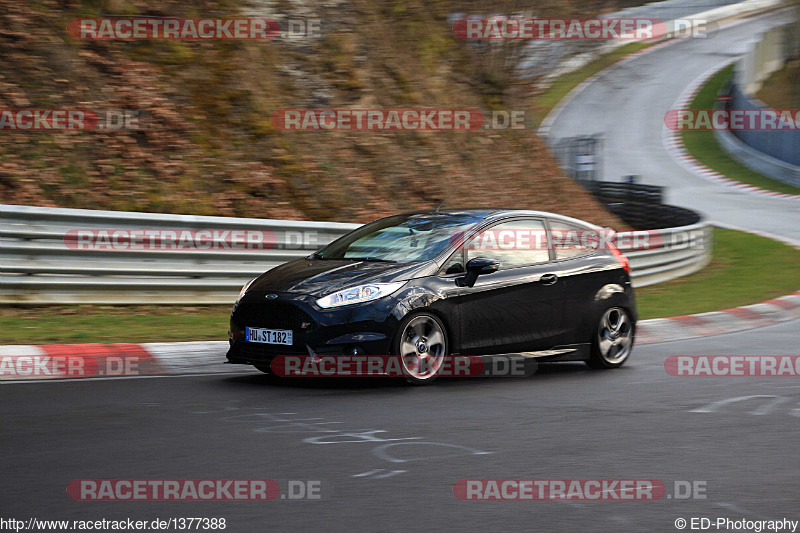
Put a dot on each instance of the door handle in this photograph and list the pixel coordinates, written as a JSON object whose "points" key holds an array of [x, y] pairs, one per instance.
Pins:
{"points": [[548, 279]]}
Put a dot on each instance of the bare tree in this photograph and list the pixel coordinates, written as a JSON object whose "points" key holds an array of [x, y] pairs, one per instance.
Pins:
{"points": [[497, 60]]}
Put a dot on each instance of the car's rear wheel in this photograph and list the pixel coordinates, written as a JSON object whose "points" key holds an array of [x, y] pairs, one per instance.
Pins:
{"points": [[612, 342], [422, 346]]}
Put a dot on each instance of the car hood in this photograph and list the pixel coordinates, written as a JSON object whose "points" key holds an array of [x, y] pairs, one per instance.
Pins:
{"points": [[318, 278]]}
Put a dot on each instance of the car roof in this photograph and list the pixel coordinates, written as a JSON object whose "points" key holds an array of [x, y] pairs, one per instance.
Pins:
{"points": [[492, 214]]}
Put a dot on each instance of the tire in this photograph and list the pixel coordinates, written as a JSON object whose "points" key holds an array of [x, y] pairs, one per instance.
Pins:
{"points": [[421, 342], [612, 339]]}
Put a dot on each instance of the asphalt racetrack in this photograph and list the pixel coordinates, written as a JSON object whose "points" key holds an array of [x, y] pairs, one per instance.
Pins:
{"points": [[387, 455], [627, 104]]}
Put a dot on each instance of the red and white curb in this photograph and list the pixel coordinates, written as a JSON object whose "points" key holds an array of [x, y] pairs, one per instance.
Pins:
{"points": [[717, 322], [766, 313], [673, 142], [21, 363], [113, 361]]}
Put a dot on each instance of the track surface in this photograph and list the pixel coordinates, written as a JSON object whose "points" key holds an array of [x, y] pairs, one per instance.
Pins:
{"points": [[627, 104], [566, 421]]}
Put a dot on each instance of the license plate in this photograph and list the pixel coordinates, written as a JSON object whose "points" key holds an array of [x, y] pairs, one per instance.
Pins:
{"points": [[268, 336]]}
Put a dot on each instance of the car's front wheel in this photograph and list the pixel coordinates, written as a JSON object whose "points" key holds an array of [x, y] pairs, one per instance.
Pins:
{"points": [[421, 343], [612, 341]]}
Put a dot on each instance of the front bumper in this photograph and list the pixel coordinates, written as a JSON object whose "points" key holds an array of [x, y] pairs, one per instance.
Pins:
{"points": [[361, 328]]}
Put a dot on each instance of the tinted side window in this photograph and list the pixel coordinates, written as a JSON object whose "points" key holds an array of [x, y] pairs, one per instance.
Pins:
{"points": [[570, 241], [513, 244]]}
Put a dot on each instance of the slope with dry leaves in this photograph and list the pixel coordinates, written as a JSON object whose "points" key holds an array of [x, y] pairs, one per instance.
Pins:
{"points": [[209, 146]]}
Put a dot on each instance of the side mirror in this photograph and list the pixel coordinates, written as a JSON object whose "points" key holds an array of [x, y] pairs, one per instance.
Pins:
{"points": [[478, 266]]}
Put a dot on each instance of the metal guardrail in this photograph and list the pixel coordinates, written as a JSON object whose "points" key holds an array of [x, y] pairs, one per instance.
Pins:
{"points": [[637, 204], [41, 261], [626, 191], [685, 250], [643, 214]]}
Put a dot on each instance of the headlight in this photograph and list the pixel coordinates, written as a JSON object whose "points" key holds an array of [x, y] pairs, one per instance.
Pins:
{"points": [[244, 289], [360, 294]]}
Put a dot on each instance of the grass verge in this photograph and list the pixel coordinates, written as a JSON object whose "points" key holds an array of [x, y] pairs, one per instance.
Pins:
{"points": [[745, 269], [70, 324], [703, 145], [739, 259]]}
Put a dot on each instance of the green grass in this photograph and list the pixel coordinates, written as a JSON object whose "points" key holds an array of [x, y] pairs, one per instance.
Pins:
{"points": [[104, 324], [739, 259], [745, 269], [704, 146], [561, 87]]}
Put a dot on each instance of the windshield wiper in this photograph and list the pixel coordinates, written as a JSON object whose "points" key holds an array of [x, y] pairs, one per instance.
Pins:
{"points": [[375, 259]]}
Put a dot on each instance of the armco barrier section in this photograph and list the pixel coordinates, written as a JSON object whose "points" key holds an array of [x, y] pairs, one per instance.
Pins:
{"points": [[38, 264], [685, 250], [640, 206], [778, 144], [772, 153], [42, 260]]}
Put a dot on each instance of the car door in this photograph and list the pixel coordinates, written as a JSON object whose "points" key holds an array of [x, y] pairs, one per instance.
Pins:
{"points": [[519, 307]]}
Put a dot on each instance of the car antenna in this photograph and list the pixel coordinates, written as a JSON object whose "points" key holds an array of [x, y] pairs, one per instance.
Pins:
{"points": [[449, 195]]}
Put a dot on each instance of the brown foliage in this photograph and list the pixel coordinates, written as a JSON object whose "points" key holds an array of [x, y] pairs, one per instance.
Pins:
{"points": [[209, 146]]}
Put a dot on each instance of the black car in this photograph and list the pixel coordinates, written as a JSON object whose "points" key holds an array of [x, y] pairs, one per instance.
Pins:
{"points": [[429, 285]]}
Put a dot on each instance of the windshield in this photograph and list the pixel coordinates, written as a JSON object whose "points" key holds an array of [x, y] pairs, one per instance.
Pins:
{"points": [[401, 238]]}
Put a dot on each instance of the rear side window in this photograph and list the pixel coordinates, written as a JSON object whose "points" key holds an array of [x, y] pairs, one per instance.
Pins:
{"points": [[569, 241], [513, 244]]}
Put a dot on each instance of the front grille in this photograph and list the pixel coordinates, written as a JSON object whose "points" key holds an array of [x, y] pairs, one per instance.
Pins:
{"points": [[256, 352], [272, 315]]}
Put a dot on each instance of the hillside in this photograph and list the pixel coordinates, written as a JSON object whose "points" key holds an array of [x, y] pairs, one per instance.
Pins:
{"points": [[209, 146]]}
